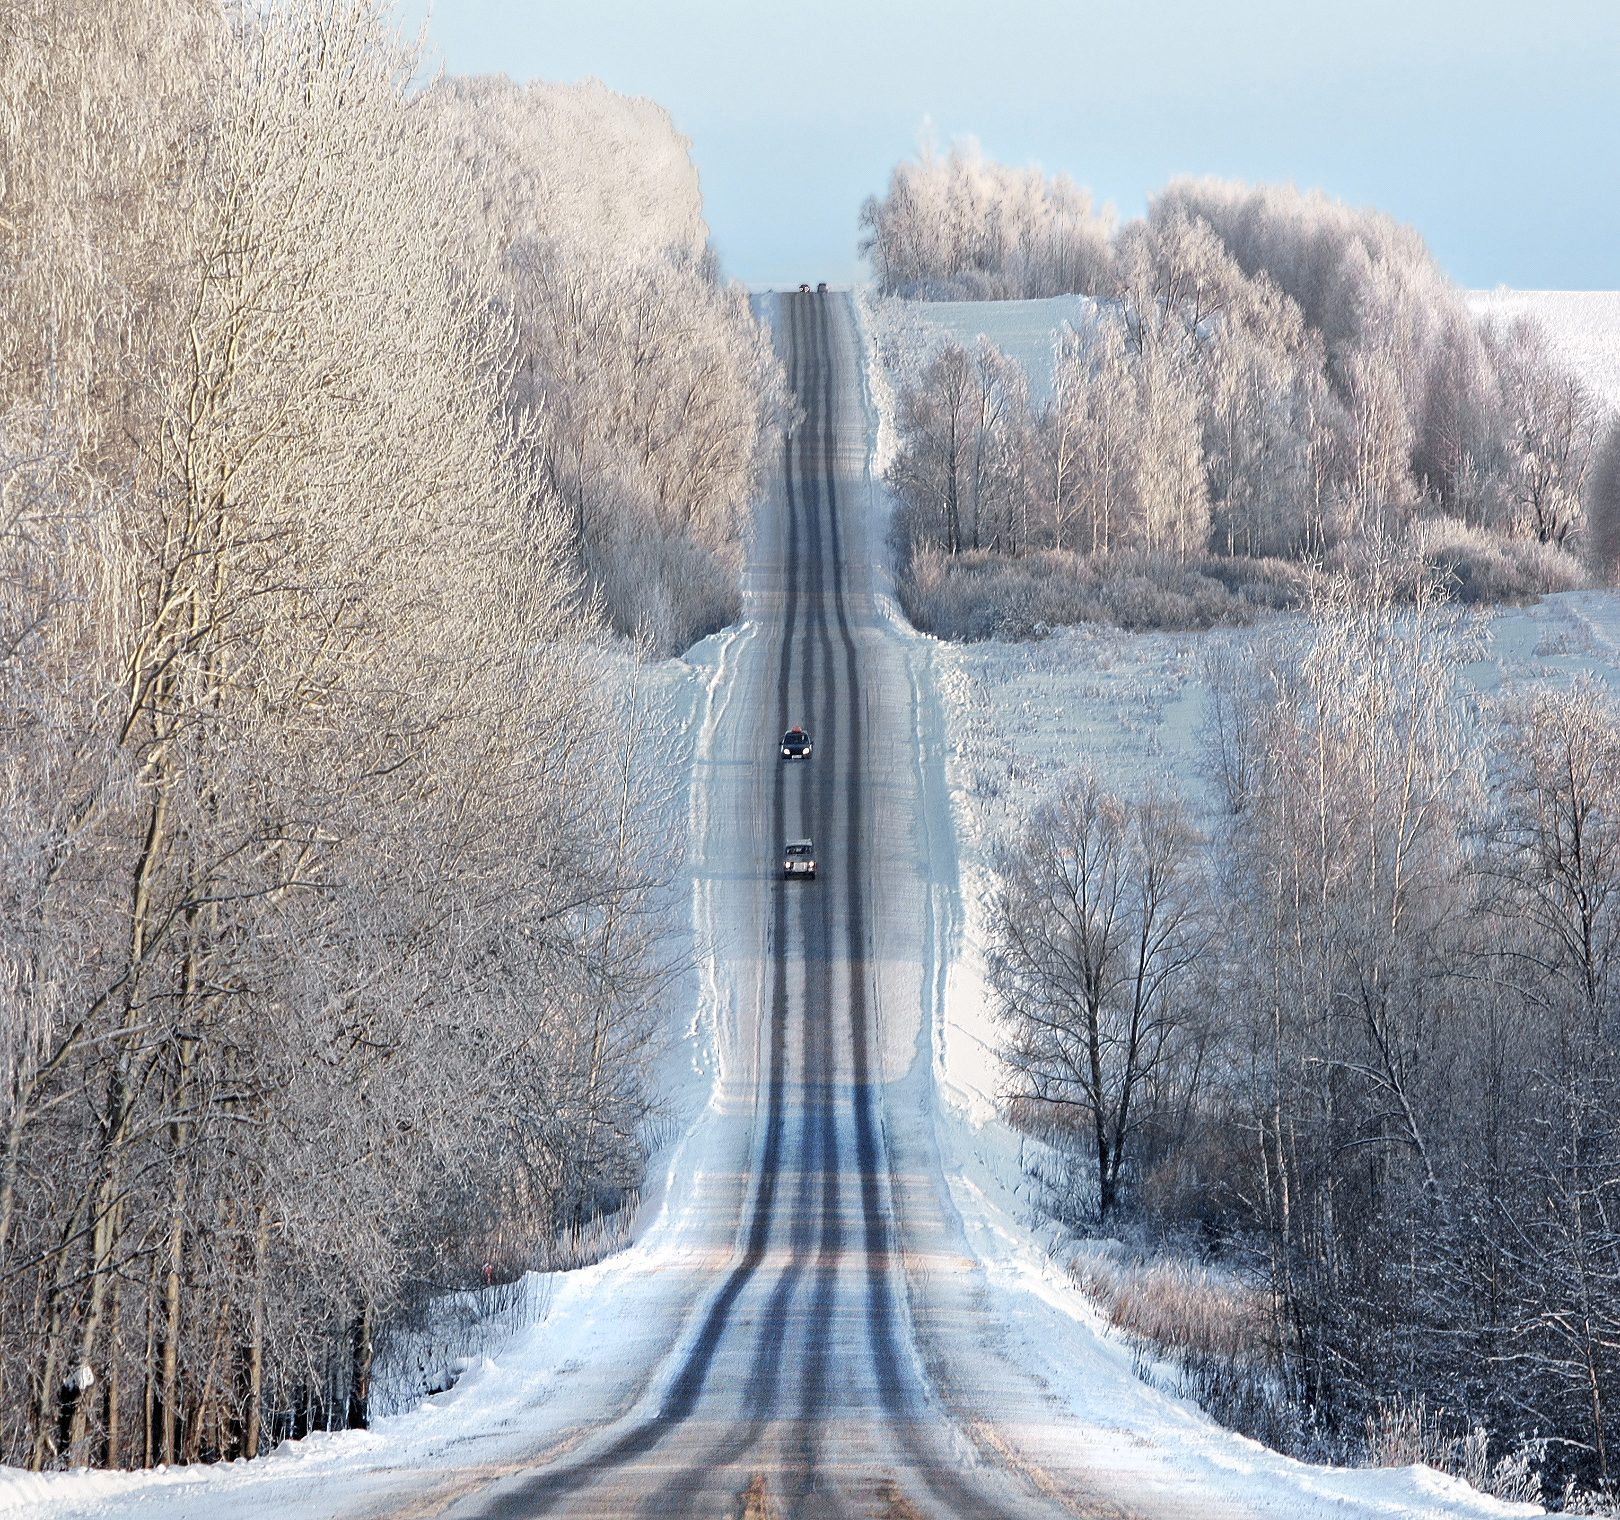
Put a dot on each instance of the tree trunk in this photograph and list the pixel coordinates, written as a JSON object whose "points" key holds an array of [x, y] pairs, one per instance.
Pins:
{"points": [[171, 1320], [255, 1408], [113, 1386], [360, 1379]]}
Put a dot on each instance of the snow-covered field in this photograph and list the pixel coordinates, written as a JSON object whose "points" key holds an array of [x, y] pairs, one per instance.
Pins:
{"points": [[1583, 328], [1023, 330]]}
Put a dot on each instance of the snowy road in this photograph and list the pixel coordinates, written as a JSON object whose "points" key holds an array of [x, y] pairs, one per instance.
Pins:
{"points": [[834, 1308], [800, 1379]]}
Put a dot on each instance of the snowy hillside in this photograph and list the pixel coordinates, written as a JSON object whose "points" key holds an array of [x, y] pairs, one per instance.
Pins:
{"points": [[1129, 705], [1023, 330], [1016, 717]]}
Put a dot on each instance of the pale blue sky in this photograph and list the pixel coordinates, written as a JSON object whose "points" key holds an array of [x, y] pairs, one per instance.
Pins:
{"points": [[1493, 125]]}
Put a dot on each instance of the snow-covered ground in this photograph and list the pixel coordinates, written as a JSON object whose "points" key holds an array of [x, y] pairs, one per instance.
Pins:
{"points": [[1583, 327]]}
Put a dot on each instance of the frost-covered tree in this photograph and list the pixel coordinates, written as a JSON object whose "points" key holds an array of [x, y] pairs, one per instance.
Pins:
{"points": [[1603, 506], [965, 227], [1271, 374], [329, 946], [1095, 930], [1086, 433], [653, 389], [963, 454]]}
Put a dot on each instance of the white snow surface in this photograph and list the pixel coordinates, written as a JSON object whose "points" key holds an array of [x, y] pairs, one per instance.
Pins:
{"points": [[1582, 326], [1028, 331], [994, 724]]}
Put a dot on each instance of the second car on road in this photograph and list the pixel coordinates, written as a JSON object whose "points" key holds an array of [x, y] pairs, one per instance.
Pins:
{"points": [[795, 744]]}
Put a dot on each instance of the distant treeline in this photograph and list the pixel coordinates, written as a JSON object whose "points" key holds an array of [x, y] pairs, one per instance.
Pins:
{"points": [[335, 415], [1262, 375]]}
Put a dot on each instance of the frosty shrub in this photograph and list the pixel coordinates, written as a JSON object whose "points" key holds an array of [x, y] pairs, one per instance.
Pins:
{"points": [[1178, 1307], [962, 227], [668, 591], [1404, 1432], [1480, 566], [980, 595]]}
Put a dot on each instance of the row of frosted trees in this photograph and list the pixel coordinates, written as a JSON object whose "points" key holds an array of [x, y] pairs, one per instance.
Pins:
{"points": [[329, 927], [964, 228], [1260, 374], [1364, 1041], [647, 381]]}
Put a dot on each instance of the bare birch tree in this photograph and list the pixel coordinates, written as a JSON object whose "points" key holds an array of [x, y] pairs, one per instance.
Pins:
{"points": [[1095, 929]]}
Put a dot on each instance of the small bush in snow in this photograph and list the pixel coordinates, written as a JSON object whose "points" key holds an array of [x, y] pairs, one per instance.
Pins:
{"points": [[980, 595]]}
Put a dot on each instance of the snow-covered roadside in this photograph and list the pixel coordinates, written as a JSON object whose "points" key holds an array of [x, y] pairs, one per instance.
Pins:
{"points": [[997, 725], [577, 1334]]}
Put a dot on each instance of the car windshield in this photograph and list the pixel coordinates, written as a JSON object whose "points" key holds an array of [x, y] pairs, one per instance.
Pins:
{"points": [[799, 849]]}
